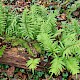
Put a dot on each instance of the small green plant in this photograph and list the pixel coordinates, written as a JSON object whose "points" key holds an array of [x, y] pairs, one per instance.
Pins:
{"points": [[32, 64], [2, 50]]}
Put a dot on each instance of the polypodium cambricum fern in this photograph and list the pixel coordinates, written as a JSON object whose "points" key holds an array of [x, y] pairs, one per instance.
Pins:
{"points": [[72, 64], [47, 42], [69, 39], [49, 25], [68, 48], [72, 27], [38, 10], [32, 63], [12, 28], [31, 21], [8, 21], [68, 45], [36, 23], [57, 66], [48, 32], [2, 50], [2, 20]]}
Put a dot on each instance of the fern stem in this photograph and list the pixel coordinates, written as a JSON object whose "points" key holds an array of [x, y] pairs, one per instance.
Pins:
{"points": [[50, 76]]}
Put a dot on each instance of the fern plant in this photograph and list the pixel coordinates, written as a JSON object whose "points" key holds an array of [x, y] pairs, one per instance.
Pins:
{"points": [[8, 22], [63, 48], [57, 66], [2, 20], [31, 21], [37, 24], [12, 27], [32, 64], [72, 64]]}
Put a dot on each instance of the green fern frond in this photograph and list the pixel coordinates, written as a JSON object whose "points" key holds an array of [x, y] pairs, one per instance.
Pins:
{"points": [[26, 29], [68, 39], [12, 29], [47, 42], [72, 65], [47, 31], [2, 20], [31, 22], [38, 10], [76, 26], [72, 49], [51, 21], [32, 64], [2, 50], [69, 45], [57, 65], [49, 26], [72, 27]]}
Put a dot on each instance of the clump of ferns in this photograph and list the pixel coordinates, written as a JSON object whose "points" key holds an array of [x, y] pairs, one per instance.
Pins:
{"points": [[35, 23], [64, 49], [8, 22], [32, 20]]}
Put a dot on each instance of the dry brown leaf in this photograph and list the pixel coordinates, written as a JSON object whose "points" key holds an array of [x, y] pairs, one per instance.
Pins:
{"points": [[10, 71]]}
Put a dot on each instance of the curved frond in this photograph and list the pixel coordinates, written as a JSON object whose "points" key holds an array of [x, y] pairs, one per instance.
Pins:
{"points": [[57, 66], [72, 65]]}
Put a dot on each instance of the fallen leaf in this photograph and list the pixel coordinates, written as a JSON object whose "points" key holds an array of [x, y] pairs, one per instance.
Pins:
{"points": [[10, 71], [62, 17], [76, 13], [24, 77]]}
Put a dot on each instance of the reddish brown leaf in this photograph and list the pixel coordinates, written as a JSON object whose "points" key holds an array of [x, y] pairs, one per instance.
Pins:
{"points": [[10, 71], [76, 13], [24, 77], [62, 17]]}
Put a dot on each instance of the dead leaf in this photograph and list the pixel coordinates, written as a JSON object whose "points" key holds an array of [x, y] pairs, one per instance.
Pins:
{"points": [[19, 74], [25, 77], [62, 17], [74, 77], [10, 71], [76, 13]]}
